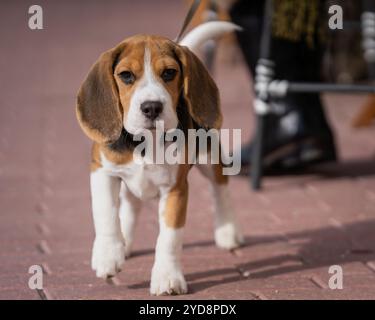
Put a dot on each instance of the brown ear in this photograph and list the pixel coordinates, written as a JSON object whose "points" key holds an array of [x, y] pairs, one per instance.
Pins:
{"points": [[99, 110], [200, 91]]}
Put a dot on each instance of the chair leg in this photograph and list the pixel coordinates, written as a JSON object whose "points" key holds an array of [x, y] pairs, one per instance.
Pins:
{"points": [[264, 73], [256, 156]]}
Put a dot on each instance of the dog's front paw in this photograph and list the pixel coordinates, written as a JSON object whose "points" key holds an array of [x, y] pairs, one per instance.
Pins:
{"points": [[108, 256], [228, 236], [167, 281]]}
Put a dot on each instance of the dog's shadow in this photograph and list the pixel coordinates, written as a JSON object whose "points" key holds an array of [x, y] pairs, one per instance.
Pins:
{"points": [[314, 248], [354, 168]]}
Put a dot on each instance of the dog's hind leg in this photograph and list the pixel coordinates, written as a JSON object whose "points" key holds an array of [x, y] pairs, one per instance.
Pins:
{"points": [[227, 232], [129, 211]]}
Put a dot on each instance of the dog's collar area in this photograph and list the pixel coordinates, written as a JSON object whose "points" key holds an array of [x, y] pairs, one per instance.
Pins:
{"points": [[126, 141]]}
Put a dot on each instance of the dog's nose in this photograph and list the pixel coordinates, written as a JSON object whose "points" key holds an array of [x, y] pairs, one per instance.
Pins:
{"points": [[151, 109]]}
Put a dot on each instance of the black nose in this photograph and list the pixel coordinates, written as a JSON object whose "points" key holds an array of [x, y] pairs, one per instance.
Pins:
{"points": [[151, 109]]}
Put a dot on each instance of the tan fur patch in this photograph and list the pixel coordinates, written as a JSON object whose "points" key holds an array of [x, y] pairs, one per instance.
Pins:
{"points": [[162, 57], [131, 59], [176, 205], [95, 157], [220, 178], [115, 157]]}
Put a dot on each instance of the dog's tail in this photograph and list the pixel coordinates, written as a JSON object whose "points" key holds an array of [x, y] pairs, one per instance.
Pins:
{"points": [[206, 31]]}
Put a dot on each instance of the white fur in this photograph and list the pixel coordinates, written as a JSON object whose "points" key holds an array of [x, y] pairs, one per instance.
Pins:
{"points": [[227, 232], [149, 89], [141, 179], [167, 276], [206, 31], [129, 211], [108, 252]]}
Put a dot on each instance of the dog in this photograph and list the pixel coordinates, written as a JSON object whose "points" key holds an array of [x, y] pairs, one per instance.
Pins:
{"points": [[143, 79]]}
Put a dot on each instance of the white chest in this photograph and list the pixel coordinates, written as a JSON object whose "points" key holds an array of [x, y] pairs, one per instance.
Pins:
{"points": [[143, 180]]}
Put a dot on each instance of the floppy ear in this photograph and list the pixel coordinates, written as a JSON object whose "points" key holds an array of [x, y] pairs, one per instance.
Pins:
{"points": [[200, 91], [99, 110]]}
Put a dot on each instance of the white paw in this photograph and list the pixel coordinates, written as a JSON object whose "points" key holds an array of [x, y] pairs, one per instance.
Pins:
{"points": [[108, 256], [228, 236], [167, 281]]}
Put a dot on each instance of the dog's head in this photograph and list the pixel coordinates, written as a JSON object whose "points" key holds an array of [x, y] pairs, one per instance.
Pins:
{"points": [[141, 81]]}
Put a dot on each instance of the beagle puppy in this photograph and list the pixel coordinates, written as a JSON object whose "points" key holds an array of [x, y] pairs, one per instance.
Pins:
{"points": [[143, 79]]}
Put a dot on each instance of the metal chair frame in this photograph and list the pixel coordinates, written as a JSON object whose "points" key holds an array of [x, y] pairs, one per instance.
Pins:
{"points": [[266, 87]]}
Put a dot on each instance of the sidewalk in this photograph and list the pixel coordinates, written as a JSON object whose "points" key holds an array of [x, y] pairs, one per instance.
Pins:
{"points": [[296, 228]]}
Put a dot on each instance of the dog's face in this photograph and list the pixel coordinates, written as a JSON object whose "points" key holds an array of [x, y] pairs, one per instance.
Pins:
{"points": [[149, 81], [141, 81]]}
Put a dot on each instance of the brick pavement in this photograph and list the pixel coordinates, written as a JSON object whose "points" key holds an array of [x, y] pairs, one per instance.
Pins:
{"points": [[295, 228]]}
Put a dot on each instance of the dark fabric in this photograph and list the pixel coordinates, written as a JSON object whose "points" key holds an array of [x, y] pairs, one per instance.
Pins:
{"points": [[294, 61], [288, 55]]}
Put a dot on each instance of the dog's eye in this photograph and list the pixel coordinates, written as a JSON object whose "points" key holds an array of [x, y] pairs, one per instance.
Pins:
{"points": [[168, 74], [127, 76]]}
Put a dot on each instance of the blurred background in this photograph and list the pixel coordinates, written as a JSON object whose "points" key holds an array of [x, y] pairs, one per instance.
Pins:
{"points": [[296, 227]]}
